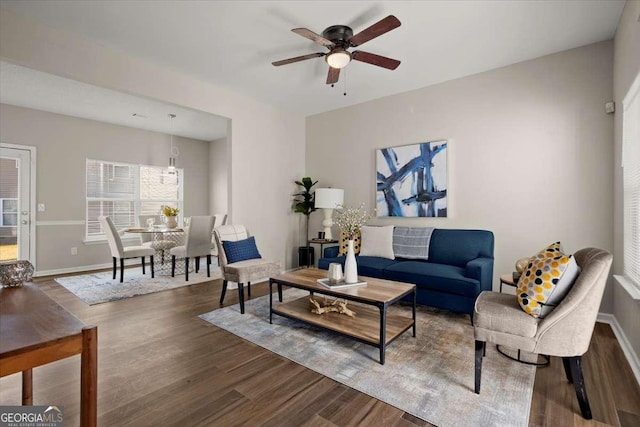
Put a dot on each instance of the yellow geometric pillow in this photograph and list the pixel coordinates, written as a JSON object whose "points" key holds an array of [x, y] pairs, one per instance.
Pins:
{"points": [[550, 251], [344, 244], [546, 281], [553, 250]]}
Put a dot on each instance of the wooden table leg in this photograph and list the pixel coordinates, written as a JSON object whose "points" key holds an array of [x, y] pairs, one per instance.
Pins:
{"points": [[27, 387], [89, 377]]}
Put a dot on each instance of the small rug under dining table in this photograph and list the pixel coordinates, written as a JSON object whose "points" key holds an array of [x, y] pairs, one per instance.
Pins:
{"points": [[98, 288]]}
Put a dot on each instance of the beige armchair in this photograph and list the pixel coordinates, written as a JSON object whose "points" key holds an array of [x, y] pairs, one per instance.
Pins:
{"points": [[240, 272], [565, 332], [220, 219]]}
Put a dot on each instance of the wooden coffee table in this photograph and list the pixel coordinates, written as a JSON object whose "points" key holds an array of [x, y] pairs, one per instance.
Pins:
{"points": [[371, 326]]}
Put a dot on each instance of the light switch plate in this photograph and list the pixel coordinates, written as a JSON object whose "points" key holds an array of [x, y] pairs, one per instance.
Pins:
{"points": [[610, 107]]}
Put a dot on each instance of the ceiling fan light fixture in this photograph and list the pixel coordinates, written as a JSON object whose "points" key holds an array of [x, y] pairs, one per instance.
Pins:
{"points": [[338, 58]]}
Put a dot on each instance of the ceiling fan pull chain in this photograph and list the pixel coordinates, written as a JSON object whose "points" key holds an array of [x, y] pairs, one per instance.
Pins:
{"points": [[345, 83]]}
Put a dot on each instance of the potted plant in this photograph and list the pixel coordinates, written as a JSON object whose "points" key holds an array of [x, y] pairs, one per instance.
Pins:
{"points": [[305, 204], [171, 213]]}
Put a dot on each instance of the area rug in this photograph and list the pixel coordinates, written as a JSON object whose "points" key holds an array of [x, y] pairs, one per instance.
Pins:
{"points": [[98, 288], [430, 376]]}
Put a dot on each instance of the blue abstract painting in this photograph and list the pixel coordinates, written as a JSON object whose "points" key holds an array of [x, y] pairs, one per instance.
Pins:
{"points": [[412, 180]]}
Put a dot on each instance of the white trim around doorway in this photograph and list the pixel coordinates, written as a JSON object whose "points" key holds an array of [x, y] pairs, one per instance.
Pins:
{"points": [[32, 196]]}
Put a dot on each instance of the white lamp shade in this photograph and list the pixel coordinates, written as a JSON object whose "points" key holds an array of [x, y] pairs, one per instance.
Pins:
{"points": [[329, 198]]}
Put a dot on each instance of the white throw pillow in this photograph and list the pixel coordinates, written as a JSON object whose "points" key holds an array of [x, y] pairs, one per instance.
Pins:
{"points": [[377, 241]]}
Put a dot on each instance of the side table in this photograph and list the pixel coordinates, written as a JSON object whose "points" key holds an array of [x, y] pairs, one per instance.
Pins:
{"points": [[322, 242], [507, 279]]}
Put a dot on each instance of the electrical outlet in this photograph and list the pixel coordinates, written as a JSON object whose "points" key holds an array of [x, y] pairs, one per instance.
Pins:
{"points": [[74, 251], [40, 207]]}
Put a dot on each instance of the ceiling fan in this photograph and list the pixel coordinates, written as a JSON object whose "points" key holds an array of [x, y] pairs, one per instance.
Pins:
{"points": [[338, 39]]}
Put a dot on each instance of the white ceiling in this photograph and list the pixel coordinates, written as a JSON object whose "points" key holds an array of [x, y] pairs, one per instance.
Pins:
{"points": [[29, 88], [232, 43]]}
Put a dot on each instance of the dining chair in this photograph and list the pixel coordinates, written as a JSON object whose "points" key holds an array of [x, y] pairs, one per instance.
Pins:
{"points": [[197, 244], [565, 332], [240, 272], [220, 219], [121, 252]]}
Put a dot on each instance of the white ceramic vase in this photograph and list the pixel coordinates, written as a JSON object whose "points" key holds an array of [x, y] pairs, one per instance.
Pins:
{"points": [[350, 265], [172, 222]]}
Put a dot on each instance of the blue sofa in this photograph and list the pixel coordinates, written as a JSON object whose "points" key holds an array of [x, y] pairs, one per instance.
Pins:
{"points": [[459, 267]]}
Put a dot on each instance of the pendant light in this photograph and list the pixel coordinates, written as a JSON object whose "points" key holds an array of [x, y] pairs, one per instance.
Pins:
{"points": [[173, 151]]}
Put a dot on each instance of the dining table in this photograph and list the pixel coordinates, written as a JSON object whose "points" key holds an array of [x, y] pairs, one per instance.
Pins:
{"points": [[34, 331], [163, 239]]}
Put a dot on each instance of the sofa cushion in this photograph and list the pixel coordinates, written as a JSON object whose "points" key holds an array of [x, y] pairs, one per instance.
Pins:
{"points": [[411, 242], [250, 269], [440, 277], [323, 263], [373, 266], [500, 313], [377, 241], [458, 247], [367, 265], [344, 243]]}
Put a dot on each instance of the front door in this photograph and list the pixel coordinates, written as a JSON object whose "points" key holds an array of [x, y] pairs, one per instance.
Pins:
{"points": [[16, 219]]}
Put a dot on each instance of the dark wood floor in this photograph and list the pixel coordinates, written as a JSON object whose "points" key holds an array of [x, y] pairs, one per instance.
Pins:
{"points": [[159, 364]]}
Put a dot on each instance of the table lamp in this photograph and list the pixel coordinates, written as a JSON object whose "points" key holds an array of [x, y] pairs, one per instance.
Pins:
{"points": [[328, 199]]}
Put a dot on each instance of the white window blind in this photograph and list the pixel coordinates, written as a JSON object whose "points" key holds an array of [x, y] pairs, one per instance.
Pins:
{"points": [[8, 212], [158, 188], [124, 191], [631, 182]]}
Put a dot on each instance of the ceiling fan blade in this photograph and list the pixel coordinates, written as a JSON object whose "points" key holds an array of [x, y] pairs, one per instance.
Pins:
{"points": [[306, 33], [379, 28], [298, 59], [373, 59], [333, 75]]}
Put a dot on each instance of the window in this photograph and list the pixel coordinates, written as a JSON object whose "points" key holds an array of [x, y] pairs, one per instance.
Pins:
{"points": [[631, 182], [8, 212], [124, 191]]}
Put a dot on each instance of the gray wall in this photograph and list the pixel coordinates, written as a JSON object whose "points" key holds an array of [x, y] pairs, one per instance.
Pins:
{"points": [[266, 149], [530, 151], [218, 176], [625, 69], [63, 144]]}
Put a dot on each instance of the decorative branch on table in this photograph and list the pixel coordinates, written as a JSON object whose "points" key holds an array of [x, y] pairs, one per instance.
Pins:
{"points": [[351, 220], [337, 306], [305, 204]]}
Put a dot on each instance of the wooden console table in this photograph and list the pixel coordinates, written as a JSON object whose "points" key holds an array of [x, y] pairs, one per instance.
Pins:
{"points": [[34, 331]]}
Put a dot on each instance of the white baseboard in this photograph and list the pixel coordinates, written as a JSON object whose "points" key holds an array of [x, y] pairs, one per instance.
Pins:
{"points": [[631, 355], [82, 269]]}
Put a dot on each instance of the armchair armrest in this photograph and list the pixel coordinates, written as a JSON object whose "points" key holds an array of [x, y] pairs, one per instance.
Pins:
{"points": [[331, 252], [481, 269]]}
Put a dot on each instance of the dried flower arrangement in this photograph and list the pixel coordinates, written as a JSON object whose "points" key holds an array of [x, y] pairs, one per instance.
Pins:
{"points": [[351, 220]]}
